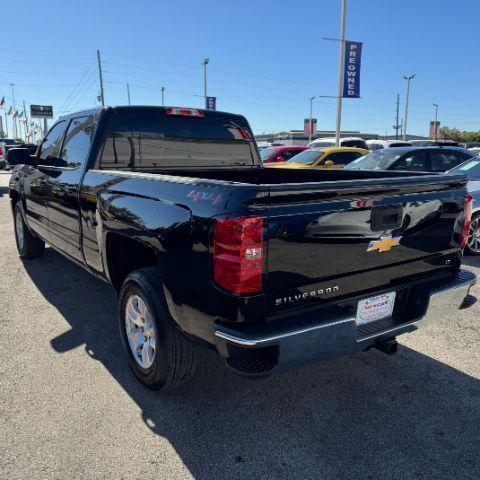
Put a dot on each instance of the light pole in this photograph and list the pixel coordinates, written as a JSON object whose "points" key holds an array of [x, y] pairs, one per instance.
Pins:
{"points": [[340, 73], [407, 78], [310, 122], [128, 93], [163, 96], [435, 124], [205, 63]]}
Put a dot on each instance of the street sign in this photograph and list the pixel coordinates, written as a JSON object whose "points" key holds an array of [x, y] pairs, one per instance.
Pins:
{"points": [[41, 111], [211, 103]]}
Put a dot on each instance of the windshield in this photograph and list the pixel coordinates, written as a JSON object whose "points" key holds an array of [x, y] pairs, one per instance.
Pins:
{"points": [[471, 168], [307, 157], [266, 153], [376, 160]]}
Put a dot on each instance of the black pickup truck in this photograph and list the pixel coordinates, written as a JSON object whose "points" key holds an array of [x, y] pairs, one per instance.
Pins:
{"points": [[271, 268]]}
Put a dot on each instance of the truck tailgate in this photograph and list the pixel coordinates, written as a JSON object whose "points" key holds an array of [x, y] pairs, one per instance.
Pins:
{"points": [[342, 238]]}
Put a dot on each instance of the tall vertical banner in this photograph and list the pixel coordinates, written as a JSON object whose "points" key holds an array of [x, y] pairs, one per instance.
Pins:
{"points": [[351, 69], [211, 103]]}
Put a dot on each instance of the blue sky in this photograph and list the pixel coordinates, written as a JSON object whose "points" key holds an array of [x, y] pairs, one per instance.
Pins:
{"points": [[266, 57]]}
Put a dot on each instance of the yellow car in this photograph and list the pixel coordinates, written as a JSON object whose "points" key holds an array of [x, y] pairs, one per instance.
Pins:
{"points": [[332, 157]]}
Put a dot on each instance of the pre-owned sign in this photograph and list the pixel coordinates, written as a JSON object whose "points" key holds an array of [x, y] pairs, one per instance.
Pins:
{"points": [[351, 72], [41, 111]]}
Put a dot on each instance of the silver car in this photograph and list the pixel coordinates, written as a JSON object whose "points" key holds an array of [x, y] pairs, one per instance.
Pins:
{"points": [[472, 169]]}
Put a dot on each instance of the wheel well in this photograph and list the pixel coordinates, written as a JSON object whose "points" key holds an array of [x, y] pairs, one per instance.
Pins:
{"points": [[124, 255]]}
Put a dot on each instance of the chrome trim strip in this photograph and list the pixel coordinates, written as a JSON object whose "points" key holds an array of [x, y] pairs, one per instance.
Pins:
{"points": [[259, 341]]}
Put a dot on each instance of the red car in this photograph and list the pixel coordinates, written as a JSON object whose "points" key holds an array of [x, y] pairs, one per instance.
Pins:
{"points": [[282, 153]]}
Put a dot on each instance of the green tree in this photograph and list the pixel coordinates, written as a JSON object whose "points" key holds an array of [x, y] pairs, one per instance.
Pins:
{"points": [[447, 133]]}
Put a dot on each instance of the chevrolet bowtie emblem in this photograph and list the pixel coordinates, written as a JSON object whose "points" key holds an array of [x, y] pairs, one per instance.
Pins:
{"points": [[385, 243]]}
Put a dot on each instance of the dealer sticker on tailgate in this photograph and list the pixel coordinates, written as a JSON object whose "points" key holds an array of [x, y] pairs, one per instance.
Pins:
{"points": [[375, 308]]}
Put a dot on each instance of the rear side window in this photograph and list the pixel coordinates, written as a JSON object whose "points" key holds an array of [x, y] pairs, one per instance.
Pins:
{"points": [[443, 161], [51, 143], [354, 143], [150, 140]]}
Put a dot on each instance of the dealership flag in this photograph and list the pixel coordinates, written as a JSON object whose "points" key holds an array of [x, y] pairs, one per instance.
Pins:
{"points": [[15, 114], [351, 69], [10, 111], [2, 102]]}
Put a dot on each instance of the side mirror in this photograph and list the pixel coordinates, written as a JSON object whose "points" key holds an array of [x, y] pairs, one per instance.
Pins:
{"points": [[20, 156], [328, 163], [280, 159]]}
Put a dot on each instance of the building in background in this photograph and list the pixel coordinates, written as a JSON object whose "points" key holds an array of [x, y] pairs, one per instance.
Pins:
{"points": [[298, 137]]}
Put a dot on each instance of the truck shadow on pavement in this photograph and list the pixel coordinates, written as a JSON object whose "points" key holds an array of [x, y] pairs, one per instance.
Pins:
{"points": [[362, 416]]}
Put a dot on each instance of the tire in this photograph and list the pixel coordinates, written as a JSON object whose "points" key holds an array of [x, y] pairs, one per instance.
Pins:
{"points": [[28, 244], [473, 244], [173, 358]]}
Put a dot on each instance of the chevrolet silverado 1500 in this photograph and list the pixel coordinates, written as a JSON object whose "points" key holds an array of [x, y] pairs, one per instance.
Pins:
{"points": [[271, 268]]}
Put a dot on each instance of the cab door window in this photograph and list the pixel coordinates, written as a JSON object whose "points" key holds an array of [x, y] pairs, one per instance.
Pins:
{"points": [[415, 161], [342, 158], [77, 142], [51, 143], [288, 154]]}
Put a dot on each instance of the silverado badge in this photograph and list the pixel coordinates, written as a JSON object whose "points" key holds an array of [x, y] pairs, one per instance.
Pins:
{"points": [[384, 244]]}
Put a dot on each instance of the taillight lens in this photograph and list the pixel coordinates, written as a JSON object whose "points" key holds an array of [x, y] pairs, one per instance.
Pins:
{"points": [[1, 152], [238, 254], [467, 222]]}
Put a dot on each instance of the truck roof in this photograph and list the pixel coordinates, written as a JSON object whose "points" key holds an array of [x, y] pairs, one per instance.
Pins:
{"points": [[119, 108]]}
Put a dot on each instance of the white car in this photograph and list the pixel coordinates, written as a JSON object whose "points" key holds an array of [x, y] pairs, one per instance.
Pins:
{"points": [[475, 150], [379, 144], [344, 142]]}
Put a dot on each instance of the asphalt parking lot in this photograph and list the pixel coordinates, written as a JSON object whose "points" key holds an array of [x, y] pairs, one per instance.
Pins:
{"points": [[70, 408]]}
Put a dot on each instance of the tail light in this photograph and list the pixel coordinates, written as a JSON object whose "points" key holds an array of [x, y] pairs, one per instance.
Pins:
{"points": [[238, 254], [1, 152], [468, 218]]}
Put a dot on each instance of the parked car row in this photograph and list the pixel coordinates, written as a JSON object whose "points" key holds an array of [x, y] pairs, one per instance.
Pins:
{"points": [[403, 157]]}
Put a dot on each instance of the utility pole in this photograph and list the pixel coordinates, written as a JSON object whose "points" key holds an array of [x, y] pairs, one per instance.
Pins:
{"points": [[205, 63], [101, 78], [163, 96], [397, 125], [407, 78], [340, 73], [310, 129], [436, 118], [14, 109], [128, 94]]}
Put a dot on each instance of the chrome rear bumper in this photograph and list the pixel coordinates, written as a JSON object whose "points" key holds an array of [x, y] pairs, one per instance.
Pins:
{"points": [[330, 336]]}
